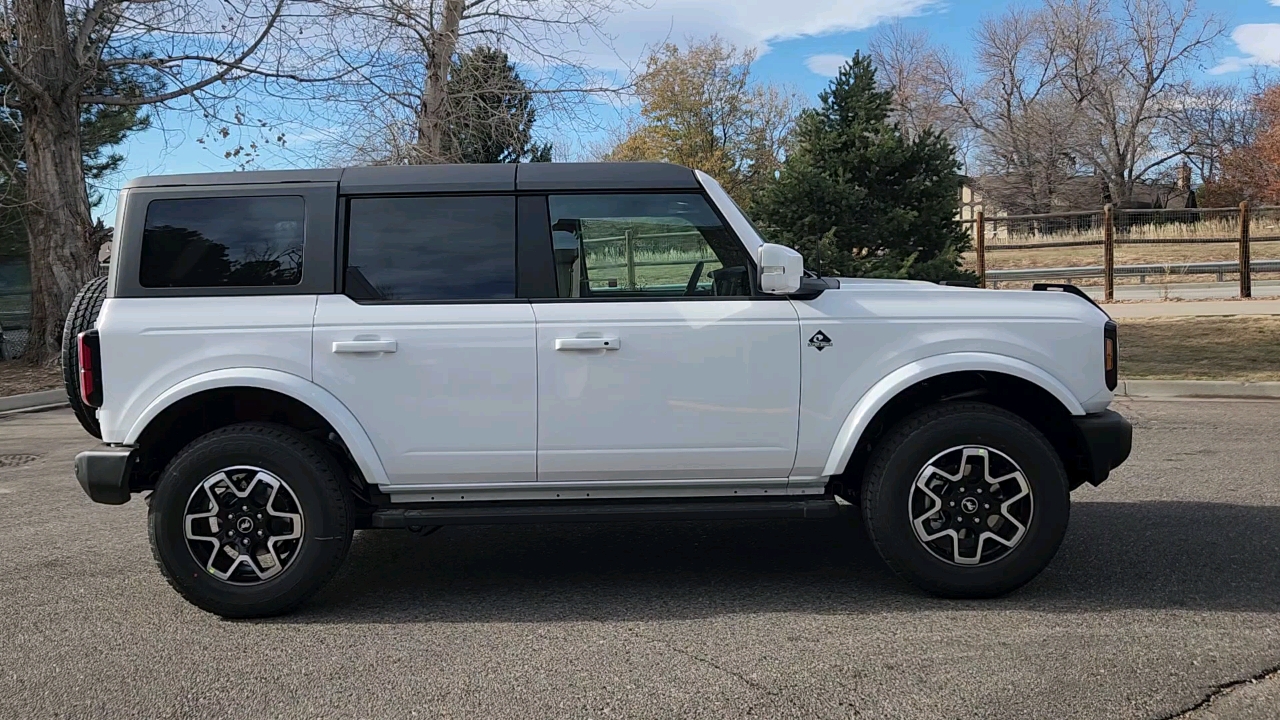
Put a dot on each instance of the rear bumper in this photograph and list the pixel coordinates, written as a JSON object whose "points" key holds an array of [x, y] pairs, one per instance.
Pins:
{"points": [[104, 474], [1108, 438]]}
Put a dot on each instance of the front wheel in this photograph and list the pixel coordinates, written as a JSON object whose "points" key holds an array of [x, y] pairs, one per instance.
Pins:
{"points": [[966, 500], [250, 520]]}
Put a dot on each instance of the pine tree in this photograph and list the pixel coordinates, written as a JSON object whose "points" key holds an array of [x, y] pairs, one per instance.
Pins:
{"points": [[858, 198], [491, 112]]}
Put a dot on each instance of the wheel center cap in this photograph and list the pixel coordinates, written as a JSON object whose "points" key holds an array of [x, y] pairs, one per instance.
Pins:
{"points": [[245, 524], [969, 505]]}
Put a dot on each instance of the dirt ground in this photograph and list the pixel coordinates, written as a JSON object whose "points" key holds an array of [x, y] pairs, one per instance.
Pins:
{"points": [[18, 377], [1201, 348]]}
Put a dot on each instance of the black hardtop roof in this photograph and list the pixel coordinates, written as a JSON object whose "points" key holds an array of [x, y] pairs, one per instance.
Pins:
{"points": [[498, 177]]}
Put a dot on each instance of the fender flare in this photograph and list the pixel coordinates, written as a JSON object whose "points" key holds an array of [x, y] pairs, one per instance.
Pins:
{"points": [[904, 377], [298, 388]]}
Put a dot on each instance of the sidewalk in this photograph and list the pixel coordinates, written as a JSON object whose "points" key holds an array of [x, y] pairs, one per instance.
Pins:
{"points": [[1191, 308]]}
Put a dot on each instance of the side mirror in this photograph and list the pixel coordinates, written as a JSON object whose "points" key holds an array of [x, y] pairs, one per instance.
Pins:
{"points": [[781, 269]]}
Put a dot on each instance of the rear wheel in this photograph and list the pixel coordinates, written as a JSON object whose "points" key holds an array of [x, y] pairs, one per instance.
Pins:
{"points": [[250, 520], [80, 318], [966, 500]]}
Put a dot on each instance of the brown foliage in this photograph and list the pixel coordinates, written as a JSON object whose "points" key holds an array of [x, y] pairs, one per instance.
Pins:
{"points": [[1252, 172]]}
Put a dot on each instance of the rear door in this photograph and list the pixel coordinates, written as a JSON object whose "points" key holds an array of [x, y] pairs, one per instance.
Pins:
{"points": [[428, 345]]}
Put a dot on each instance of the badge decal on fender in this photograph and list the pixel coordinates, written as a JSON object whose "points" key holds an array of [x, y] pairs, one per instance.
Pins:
{"points": [[820, 341]]}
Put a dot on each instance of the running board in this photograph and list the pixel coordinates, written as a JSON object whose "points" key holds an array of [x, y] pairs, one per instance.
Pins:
{"points": [[493, 513]]}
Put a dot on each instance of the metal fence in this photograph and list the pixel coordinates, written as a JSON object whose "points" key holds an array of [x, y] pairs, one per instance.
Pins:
{"points": [[1119, 246]]}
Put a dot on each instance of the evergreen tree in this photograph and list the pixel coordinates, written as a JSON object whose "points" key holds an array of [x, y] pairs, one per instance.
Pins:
{"points": [[491, 112], [858, 198]]}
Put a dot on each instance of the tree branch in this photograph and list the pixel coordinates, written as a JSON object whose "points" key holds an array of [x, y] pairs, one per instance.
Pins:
{"points": [[228, 67]]}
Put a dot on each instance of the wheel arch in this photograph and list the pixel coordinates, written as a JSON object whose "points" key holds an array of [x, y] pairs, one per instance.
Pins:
{"points": [[1016, 385], [252, 394]]}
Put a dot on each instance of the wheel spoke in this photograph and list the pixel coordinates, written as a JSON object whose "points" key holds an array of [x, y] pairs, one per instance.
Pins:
{"points": [[984, 506], [241, 509]]}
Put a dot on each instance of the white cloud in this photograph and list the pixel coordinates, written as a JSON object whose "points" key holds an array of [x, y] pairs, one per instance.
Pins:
{"points": [[826, 65], [746, 23], [1260, 43]]}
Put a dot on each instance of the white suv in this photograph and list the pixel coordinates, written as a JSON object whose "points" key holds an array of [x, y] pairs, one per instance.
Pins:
{"points": [[282, 358]]}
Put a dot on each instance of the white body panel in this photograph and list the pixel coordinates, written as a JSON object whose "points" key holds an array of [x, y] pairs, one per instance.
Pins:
{"points": [[455, 402], [888, 335], [152, 345], [696, 389]]}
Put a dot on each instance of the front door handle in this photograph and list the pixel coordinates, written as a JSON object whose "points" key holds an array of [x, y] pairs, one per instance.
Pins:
{"points": [[588, 343], [365, 346]]}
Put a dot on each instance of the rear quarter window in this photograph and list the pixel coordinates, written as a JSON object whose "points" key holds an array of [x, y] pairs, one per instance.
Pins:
{"points": [[223, 242]]}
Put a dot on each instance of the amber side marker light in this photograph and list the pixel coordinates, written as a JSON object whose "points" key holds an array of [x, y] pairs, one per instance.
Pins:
{"points": [[1110, 355]]}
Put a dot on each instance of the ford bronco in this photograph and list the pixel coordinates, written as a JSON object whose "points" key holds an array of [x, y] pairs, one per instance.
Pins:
{"points": [[277, 359]]}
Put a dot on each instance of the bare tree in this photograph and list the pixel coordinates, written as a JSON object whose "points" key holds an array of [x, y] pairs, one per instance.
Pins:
{"points": [[1213, 121], [401, 99], [905, 62], [1130, 68], [55, 56], [1024, 126]]}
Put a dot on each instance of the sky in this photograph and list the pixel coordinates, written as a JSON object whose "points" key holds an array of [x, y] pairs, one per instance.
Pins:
{"points": [[800, 43]]}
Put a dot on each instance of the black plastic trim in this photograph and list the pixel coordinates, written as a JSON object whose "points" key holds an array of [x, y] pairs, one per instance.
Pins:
{"points": [[104, 474], [562, 511], [1070, 289], [535, 257], [1108, 440], [556, 177]]}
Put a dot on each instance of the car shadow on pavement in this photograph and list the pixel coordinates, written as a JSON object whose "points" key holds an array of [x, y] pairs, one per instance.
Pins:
{"points": [[1142, 555]]}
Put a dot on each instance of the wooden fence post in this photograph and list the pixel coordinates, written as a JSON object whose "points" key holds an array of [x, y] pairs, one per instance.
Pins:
{"points": [[1246, 281], [1108, 254], [631, 260], [981, 246]]}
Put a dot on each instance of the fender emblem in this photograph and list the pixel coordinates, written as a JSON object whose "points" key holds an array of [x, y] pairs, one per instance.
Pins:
{"points": [[820, 341]]}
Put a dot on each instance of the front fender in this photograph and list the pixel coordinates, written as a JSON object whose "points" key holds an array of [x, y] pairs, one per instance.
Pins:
{"points": [[298, 388], [904, 377]]}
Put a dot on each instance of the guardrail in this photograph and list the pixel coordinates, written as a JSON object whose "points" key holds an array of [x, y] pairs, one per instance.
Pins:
{"points": [[1141, 271]]}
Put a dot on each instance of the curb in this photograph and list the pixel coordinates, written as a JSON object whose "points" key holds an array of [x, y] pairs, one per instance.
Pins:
{"points": [[1197, 388], [28, 401]]}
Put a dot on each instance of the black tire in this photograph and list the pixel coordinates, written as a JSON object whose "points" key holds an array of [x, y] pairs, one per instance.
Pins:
{"points": [[313, 476], [903, 454], [81, 317]]}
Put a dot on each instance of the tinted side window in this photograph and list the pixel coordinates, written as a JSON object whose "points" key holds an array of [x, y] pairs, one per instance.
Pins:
{"points": [[432, 248], [223, 242], [644, 245]]}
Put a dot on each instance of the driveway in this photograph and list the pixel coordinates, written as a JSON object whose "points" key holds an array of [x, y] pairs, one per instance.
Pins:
{"points": [[1164, 599]]}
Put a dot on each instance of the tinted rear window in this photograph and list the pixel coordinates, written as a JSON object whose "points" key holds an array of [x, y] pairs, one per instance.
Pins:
{"points": [[415, 249], [223, 242]]}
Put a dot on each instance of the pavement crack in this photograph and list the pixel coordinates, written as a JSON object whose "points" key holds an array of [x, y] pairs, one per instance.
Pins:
{"points": [[1222, 689]]}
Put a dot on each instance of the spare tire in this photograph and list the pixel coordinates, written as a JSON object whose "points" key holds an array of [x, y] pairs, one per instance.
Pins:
{"points": [[81, 317]]}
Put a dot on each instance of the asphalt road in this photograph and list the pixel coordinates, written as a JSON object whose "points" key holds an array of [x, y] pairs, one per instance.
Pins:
{"points": [[1163, 602]]}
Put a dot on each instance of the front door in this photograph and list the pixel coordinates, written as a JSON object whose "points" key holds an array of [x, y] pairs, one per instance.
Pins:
{"points": [[657, 363], [429, 348]]}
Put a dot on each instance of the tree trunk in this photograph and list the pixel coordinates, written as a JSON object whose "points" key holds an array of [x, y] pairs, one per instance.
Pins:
{"points": [[435, 96], [62, 254], [58, 219]]}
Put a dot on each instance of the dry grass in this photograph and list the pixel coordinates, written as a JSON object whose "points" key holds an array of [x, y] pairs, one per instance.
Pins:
{"points": [[1201, 348], [18, 377]]}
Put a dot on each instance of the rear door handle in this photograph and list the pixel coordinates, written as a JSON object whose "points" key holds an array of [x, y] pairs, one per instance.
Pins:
{"points": [[588, 343], [365, 346]]}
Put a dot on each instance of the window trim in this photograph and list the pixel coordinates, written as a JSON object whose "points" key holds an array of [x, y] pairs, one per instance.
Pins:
{"points": [[317, 239], [344, 248], [547, 246]]}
